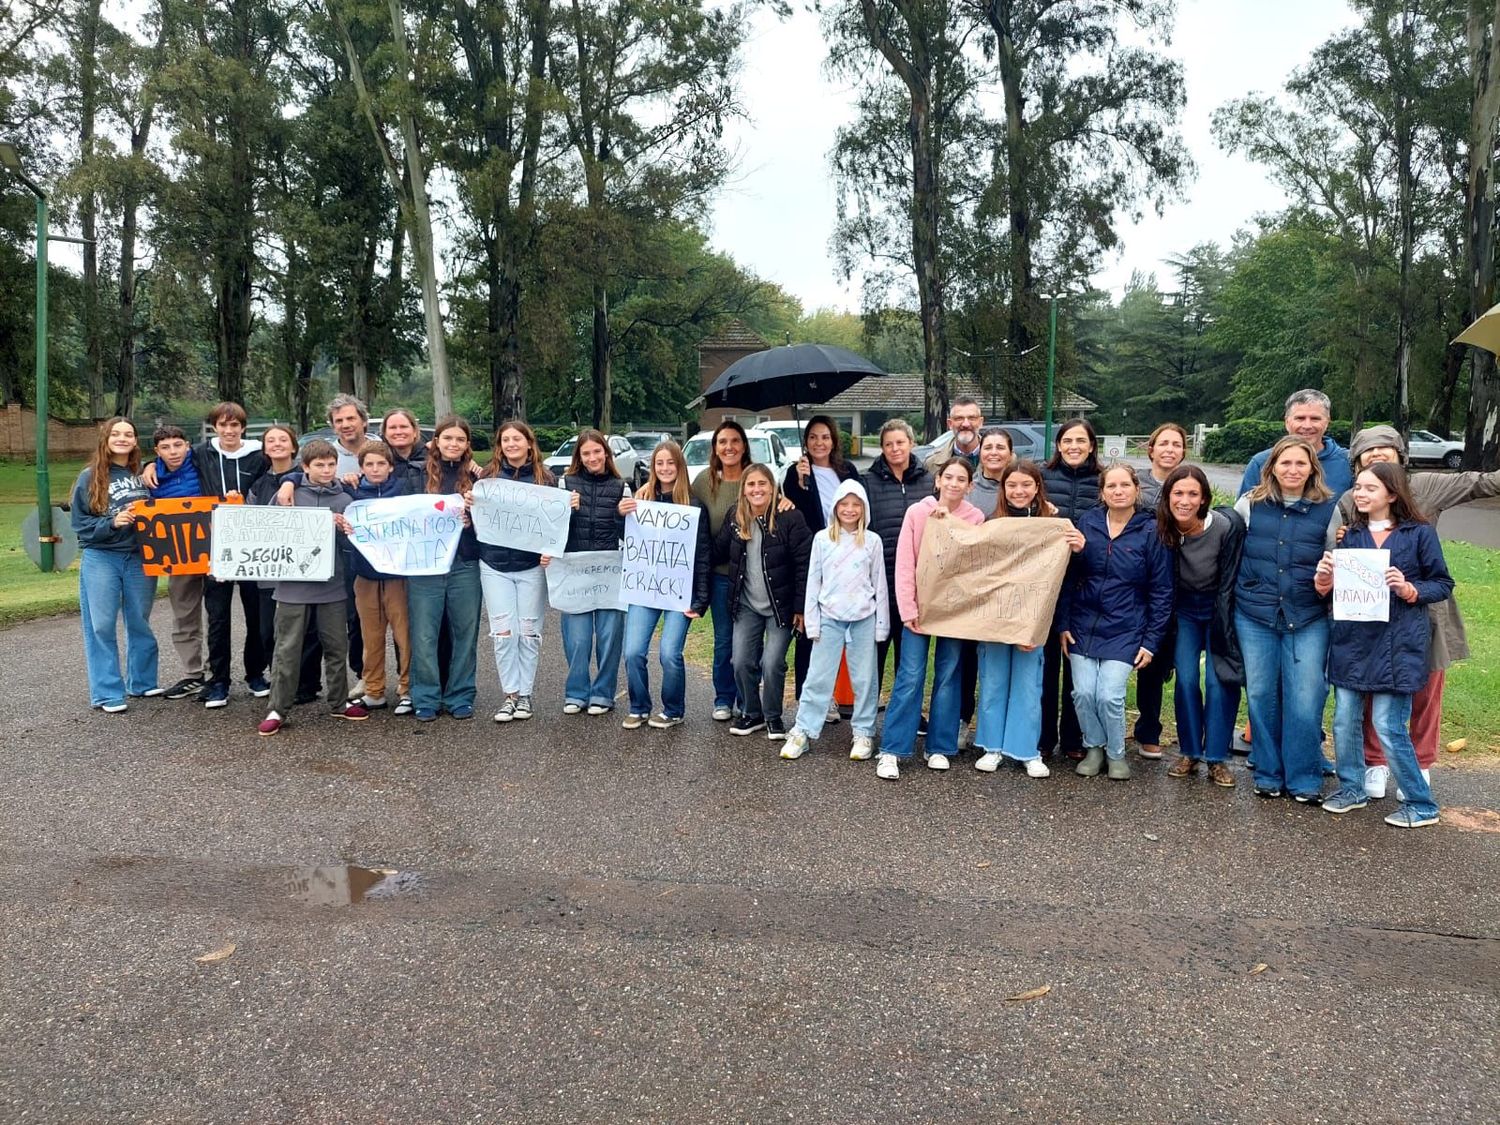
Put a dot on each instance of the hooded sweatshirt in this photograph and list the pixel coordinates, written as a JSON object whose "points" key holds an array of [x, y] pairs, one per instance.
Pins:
{"points": [[909, 549], [333, 497], [97, 530], [222, 473], [846, 578]]}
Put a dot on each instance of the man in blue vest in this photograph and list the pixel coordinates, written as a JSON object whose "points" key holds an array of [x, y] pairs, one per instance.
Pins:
{"points": [[1307, 416]]}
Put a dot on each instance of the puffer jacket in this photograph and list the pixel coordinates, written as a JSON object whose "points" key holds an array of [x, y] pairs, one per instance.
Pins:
{"points": [[394, 485], [179, 482], [1117, 596], [1072, 491], [504, 559], [1391, 656], [468, 542], [784, 555], [703, 553], [596, 524], [889, 500], [413, 469], [1283, 545], [806, 497]]}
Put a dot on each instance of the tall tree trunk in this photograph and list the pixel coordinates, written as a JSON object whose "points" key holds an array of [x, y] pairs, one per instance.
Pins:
{"points": [[599, 360], [1021, 396], [1482, 435], [234, 267], [1398, 52], [88, 48]]}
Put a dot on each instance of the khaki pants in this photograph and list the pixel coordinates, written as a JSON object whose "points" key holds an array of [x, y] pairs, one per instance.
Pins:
{"points": [[185, 595], [382, 605]]}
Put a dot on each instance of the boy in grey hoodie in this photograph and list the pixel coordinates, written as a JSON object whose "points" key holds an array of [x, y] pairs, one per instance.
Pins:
{"points": [[325, 600]]}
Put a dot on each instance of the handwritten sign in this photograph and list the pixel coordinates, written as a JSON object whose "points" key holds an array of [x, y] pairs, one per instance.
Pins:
{"points": [[1359, 589], [272, 544], [523, 517], [407, 535], [660, 541], [995, 582], [173, 533], [583, 581]]}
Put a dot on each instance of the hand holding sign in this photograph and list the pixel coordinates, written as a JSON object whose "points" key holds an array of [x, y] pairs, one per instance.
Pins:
{"points": [[523, 517], [407, 535]]}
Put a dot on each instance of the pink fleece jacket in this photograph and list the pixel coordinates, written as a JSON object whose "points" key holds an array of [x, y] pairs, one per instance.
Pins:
{"points": [[909, 547]]}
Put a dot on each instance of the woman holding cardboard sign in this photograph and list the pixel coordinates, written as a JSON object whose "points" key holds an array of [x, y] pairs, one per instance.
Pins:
{"points": [[1385, 661]]}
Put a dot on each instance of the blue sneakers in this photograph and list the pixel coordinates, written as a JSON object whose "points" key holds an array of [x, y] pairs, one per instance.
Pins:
{"points": [[214, 695], [1345, 800]]}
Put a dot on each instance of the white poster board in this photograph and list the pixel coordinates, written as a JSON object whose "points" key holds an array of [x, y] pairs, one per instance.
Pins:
{"points": [[272, 544], [1359, 589], [583, 581], [660, 542], [407, 535], [523, 517]]}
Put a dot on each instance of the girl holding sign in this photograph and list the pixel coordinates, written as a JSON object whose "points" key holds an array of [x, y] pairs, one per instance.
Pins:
{"points": [[1112, 615], [767, 552], [902, 712], [515, 590], [111, 580], [450, 469], [1385, 661], [596, 525], [667, 484]]}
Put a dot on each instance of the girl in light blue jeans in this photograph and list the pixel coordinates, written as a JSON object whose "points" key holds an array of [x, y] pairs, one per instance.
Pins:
{"points": [[846, 612]]}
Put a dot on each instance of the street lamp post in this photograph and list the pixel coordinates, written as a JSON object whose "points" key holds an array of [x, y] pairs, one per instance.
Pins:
{"points": [[11, 159], [1051, 374]]}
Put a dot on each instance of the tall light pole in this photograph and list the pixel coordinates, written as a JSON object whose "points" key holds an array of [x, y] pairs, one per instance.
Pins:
{"points": [[1051, 374], [11, 159]]}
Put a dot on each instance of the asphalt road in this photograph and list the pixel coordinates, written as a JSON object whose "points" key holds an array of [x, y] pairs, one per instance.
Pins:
{"points": [[592, 924]]}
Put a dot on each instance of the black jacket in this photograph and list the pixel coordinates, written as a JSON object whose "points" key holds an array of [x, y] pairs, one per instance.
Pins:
{"points": [[784, 554], [596, 524], [703, 553], [413, 469], [806, 497], [889, 499], [221, 474], [504, 559], [468, 542], [1072, 491]]}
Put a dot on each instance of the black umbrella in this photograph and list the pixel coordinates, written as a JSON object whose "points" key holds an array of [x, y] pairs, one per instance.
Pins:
{"points": [[788, 375]]}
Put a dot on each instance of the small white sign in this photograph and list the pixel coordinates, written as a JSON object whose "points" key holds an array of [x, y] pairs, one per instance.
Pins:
{"points": [[583, 581], [271, 544], [1359, 589]]}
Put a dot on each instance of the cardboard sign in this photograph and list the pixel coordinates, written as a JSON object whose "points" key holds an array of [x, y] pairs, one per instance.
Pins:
{"points": [[1359, 589], [995, 582], [173, 533], [523, 517], [660, 541], [272, 544], [583, 581], [407, 535]]}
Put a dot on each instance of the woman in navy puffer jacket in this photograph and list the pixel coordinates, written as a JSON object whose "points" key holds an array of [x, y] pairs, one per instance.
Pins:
{"points": [[1113, 614]]}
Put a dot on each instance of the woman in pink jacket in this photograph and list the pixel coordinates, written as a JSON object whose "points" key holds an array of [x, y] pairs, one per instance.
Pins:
{"points": [[954, 479]]}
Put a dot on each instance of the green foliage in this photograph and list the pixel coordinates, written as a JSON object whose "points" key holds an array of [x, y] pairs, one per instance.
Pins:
{"points": [[1238, 441]]}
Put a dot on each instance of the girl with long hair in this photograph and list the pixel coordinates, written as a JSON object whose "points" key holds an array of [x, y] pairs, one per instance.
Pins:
{"points": [[112, 582]]}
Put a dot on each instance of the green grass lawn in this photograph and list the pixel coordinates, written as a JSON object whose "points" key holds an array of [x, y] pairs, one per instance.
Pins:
{"points": [[26, 592]]}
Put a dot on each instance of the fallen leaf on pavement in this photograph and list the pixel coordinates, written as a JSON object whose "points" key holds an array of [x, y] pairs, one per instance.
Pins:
{"points": [[1151, 836], [1030, 994], [1458, 744], [1260, 967], [221, 954], [984, 863]]}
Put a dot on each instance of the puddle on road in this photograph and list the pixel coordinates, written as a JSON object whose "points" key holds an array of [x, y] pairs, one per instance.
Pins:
{"points": [[346, 884]]}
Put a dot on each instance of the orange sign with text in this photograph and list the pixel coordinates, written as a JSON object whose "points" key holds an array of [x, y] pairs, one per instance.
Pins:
{"points": [[173, 533]]}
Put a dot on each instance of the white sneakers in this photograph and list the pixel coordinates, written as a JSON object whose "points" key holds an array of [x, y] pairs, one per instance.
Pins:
{"points": [[722, 714], [598, 709], [572, 708], [1035, 767], [1376, 778], [887, 768], [795, 745], [988, 763], [863, 748], [937, 761]]}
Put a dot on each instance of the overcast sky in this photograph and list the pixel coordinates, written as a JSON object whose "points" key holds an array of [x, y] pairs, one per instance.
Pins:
{"points": [[777, 217]]}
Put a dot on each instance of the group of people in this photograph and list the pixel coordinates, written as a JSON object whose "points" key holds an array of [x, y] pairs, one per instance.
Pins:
{"points": [[1160, 585]]}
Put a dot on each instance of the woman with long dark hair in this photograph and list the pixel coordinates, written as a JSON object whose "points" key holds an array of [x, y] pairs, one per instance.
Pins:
{"points": [[718, 487]]}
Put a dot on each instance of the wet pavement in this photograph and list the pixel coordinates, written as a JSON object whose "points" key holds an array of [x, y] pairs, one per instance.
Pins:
{"points": [[560, 920]]}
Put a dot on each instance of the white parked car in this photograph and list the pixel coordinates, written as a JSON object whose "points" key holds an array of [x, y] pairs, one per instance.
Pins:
{"points": [[790, 434], [1427, 448], [765, 449], [624, 454]]}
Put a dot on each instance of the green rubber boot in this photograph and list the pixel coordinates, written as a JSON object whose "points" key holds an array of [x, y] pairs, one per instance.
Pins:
{"points": [[1119, 769], [1092, 762]]}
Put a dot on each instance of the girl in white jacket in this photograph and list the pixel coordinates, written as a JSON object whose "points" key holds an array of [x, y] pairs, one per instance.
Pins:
{"points": [[847, 611]]}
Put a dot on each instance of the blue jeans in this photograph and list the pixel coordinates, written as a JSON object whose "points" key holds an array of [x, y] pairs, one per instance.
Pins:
{"points": [[1206, 713], [427, 598], [904, 709], [1099, 699], [1391, 715], [1010, 722], [725, 694], [1284, 683], [595, 635], [836, 638], [640, 625], [111, 584]]}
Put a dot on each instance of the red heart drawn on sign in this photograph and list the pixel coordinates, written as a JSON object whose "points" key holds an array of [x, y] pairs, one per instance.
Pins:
{"points": [[439, 504]]}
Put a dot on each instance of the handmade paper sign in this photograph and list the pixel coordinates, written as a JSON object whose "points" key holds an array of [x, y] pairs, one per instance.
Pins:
{"points": [[660, 541], [272, 544], [407, 535], [583, 581], [173, 533], [1359, 589], [523, 517], [995, 582]]}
